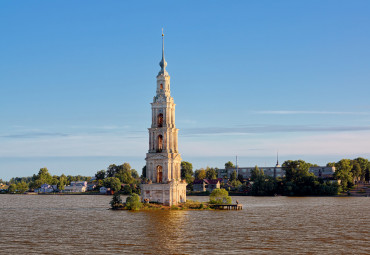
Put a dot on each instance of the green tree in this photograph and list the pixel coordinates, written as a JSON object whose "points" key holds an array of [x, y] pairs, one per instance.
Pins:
{"points": [[296, 169], [143, 173], [127, 190], [240, 177], [356, 170], [111, 170], [12, 188], [211, 173], [99, 184], [133, 202], [344, 174], [187, 174], [200, 174], [113, 183], [229, 164], [22, 187], [136, 189], [125, 176], [42, 177], [257, 173], [186, 169], [124, 173], [220, 196], [134, 174], [299, 181], [63, 179], [189, 180], [17, 180], [116, 200], [233, 176], [236, 183], [100, 175], [54, 180], [364, 163], [62, 182], [264, 186], [367, 173]]}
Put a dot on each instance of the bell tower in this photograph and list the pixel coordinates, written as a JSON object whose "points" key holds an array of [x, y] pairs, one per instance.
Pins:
{"points": [[163, 162]]}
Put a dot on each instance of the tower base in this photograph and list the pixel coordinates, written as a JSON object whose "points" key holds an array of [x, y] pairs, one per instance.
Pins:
{"points": [[171, 193]]}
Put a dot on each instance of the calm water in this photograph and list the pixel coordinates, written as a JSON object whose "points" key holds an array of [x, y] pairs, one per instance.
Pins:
{"points": [[266, 225]]}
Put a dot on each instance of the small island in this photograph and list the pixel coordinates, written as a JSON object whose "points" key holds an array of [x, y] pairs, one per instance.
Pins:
{"points": [[219, 199]]}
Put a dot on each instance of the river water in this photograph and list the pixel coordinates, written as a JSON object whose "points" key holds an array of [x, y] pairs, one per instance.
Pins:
{"points": [[81, 224]]}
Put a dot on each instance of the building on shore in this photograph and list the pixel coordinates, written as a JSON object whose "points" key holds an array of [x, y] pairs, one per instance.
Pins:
{"points": [[206, 185], [324, 172], [46, 188], [103, 190], [163, 161], [76, 186]]}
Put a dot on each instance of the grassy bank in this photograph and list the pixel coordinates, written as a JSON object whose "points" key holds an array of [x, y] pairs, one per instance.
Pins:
{"points": [[189, 205]]}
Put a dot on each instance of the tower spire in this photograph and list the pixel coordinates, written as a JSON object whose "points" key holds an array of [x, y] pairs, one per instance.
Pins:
{"points": [[277, 159], [163, 62]]}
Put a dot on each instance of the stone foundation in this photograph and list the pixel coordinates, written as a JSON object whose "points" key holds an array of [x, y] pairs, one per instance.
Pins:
{"points": [[171, 193]]}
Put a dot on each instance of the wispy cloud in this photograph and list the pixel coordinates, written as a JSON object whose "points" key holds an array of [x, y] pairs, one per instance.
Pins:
{"points": [[69, 131], [345, 144], [282, 112], [74, 145], [34, 135], [271, 129]]}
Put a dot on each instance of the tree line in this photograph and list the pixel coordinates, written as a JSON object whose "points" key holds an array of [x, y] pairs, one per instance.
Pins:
{"points": [[297, 181], [23, 184], [116, 175]]}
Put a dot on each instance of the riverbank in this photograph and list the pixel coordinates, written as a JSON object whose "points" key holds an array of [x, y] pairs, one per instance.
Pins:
{"points": [[359, 190], [207, 193], [359, 193], [64, 194]]}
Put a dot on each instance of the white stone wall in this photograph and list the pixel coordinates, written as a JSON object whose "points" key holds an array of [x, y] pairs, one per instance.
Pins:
{"points": [[171, 193]]}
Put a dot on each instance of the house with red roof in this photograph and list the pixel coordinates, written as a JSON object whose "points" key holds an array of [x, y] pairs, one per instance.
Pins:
{"points": [[206, 185]]}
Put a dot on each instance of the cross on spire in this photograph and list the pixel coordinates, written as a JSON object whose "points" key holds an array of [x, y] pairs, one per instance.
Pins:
{"points": [[163, 62]]}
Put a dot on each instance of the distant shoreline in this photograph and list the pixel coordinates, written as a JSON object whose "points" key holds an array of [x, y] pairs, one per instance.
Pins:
{"points": [[203, 194]]}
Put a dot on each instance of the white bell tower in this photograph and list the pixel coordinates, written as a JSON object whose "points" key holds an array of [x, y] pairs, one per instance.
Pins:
{"points": [[163, 162]]}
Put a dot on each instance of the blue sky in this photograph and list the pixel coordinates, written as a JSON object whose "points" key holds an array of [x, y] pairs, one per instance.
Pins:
{"points": [[249, 78]]}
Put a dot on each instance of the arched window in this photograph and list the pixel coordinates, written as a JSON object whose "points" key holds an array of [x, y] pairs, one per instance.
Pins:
{"points": [[159, 174], [160, 143], [160, 120], [161, 86]]}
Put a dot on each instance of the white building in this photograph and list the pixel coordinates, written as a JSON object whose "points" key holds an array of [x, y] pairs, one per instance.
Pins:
{"points": [[163, 162], [76, 186], [46, 188], [325, 172]]}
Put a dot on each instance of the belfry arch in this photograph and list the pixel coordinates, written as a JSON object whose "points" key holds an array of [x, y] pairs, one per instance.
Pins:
{"points": [[160, 143], [159, 174], [160, 120]]}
